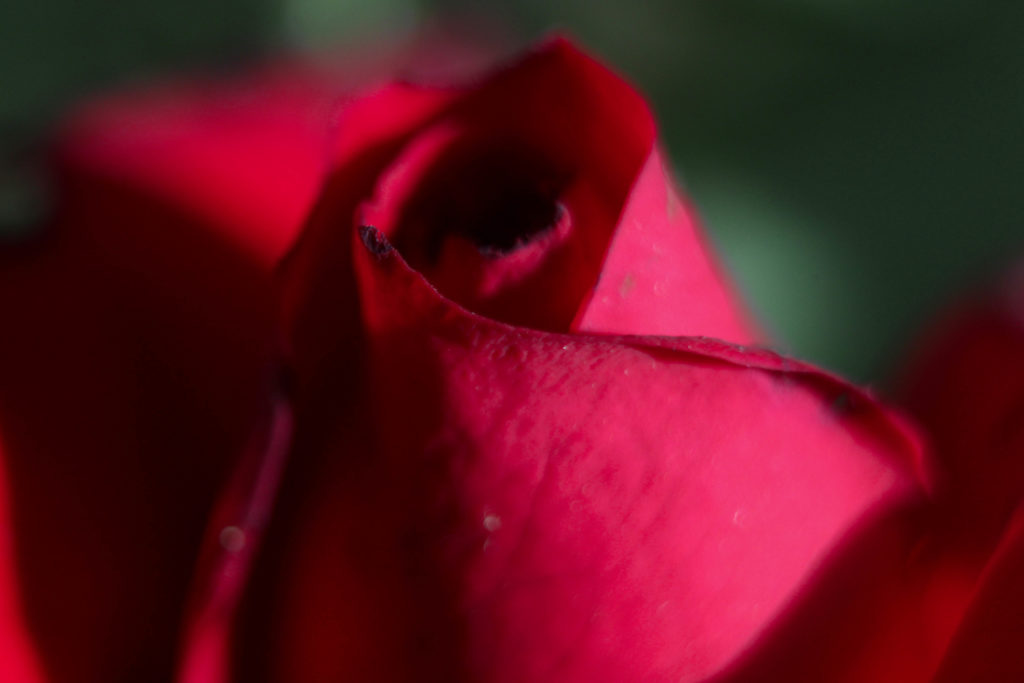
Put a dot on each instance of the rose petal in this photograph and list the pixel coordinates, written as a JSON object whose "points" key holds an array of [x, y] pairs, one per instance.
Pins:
{"points": [[658, 276], [966, 387], [135, 358], [19, 660], [986, 647], [536, 506]]}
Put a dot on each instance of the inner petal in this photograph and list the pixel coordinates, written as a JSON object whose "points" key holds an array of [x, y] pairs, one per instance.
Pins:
{"points": [[498, 195], [489, 221]]}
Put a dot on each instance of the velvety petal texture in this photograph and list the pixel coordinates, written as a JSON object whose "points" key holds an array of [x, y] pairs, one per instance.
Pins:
{"points": [[494, 476]]}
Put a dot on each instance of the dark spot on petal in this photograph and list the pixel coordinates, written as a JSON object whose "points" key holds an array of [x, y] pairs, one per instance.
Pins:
{"points": [[375, 241], [283, 382], [499, 196]]}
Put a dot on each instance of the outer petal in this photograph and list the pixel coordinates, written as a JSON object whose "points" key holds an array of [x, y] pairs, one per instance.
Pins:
{"points": [[245, 156], [535, 506], [135, 353], [966, 387], [370, 129], [881, 608], [321, 344], [986, 647]]}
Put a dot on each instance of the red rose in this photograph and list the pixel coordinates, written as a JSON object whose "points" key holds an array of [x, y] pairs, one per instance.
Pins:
{"points": [[493, 475], [966, 387], [509, 446]]}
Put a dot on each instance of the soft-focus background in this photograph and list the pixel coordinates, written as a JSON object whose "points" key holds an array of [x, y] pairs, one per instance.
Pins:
{"points": [[857, 162]]}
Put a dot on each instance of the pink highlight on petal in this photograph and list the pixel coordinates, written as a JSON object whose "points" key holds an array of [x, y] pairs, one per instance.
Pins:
{"points": [[19, 661], [659, 277]]}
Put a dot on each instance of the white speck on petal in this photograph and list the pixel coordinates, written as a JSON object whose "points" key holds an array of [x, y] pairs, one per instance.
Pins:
{"points": [[739, 517], [232, 539], [492, 523]]}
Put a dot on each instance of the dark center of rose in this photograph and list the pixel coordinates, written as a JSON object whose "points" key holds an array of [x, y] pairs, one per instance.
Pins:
{"points": [[498, 197]]}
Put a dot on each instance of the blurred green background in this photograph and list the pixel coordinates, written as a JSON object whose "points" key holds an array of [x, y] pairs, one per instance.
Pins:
{"points": [[857, 162]]}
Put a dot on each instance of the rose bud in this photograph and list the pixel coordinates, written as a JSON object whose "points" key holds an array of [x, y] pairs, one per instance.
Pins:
{"points": [[528, 444], [966, 387]]}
